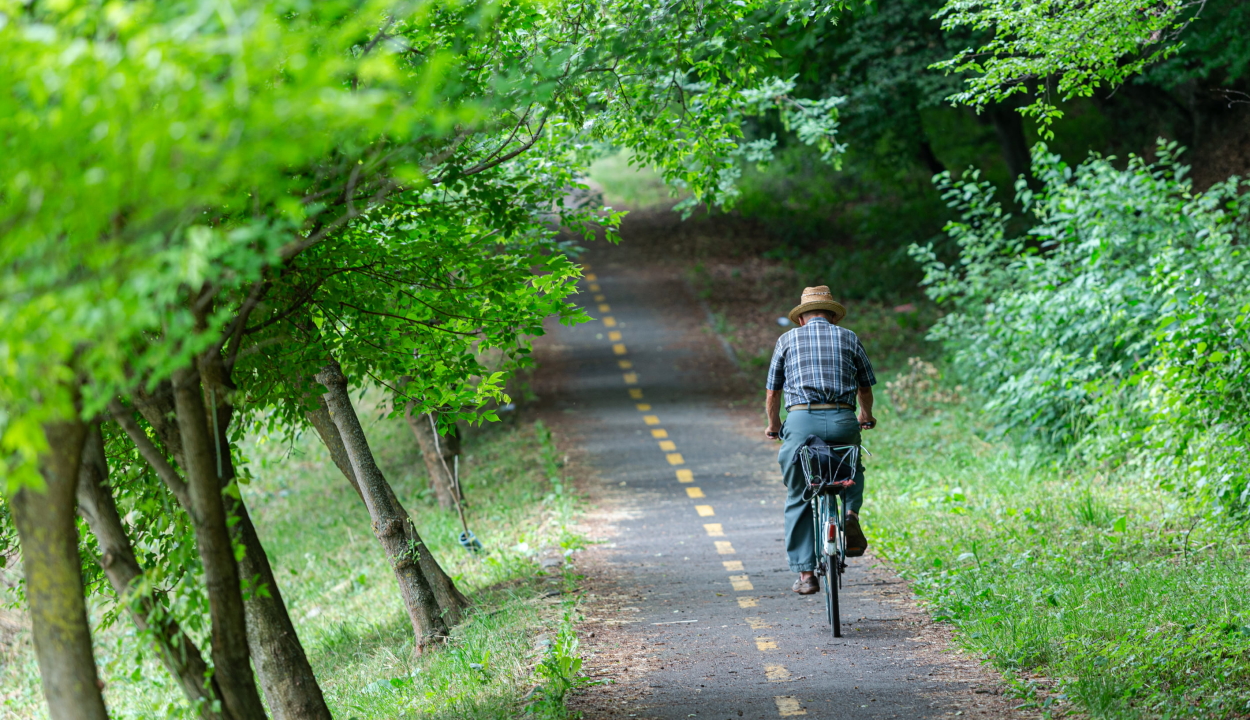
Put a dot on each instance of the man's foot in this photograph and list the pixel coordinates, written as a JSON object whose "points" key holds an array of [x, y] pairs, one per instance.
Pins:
{"points": [[856, 543], [807, 585]]}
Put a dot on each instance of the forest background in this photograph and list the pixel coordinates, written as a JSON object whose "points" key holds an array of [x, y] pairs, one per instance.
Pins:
{"points": [[219, 221]]}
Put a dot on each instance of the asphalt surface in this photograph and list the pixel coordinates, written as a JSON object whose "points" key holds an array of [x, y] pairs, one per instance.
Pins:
{"points": [[702, 550]]}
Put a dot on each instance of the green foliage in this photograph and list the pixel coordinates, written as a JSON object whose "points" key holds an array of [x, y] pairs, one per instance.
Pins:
{"points": [[1119, 591], [1118, 318], [1080, 47], [1214, 52], [699, 70]]}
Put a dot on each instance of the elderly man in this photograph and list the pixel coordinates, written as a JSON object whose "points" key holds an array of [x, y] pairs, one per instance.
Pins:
{"points": [[822, 370]]}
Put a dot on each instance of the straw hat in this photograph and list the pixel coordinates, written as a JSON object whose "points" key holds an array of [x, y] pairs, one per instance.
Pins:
{"points": [[817, 298]]}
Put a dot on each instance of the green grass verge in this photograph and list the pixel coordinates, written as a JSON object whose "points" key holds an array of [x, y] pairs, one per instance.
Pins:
{"points": [[515, 654], [1133, 600]]}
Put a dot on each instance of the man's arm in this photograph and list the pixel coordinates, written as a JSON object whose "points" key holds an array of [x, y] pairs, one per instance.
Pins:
{"points": [[865, 405], [772, 408]]}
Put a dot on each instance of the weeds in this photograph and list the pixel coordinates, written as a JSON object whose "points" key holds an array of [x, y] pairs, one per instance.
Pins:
{"points": [[559, 670]]}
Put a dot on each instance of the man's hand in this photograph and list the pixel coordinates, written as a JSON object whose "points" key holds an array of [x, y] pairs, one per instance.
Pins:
{"points": [[772, 410], [866, 420]]}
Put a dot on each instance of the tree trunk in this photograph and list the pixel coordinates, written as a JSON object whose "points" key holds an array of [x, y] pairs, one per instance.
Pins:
{"points": [[179, 654], [391, 525], [231, 657], [54, 590], [285, 673], [1009, 127], [929, 158], [451, 601], [438, 452], [281, 663]]}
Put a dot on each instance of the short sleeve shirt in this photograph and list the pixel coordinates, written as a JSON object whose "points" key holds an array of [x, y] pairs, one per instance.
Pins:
{"points": [[819, 363]]}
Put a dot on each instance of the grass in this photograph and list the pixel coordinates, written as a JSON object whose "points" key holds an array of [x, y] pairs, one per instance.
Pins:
{"points": [[626, 186], [1135, 603], [512, 653]]}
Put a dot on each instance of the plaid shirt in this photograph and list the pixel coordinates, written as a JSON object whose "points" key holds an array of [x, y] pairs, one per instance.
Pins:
{"points": [[819, 363]]}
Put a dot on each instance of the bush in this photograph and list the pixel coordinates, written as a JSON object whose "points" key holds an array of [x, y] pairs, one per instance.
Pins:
{"points": [[1118, 320]]}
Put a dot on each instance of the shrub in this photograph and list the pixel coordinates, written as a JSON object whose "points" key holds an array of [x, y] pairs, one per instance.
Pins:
{"points": [[1118, 320]]}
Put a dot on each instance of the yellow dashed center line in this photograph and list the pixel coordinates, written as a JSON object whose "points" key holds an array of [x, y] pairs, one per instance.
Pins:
{"points": [[788, 705], [776, 673]]}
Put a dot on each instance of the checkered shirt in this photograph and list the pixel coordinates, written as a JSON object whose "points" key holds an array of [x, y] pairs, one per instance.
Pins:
{"points": [[819, 363]]}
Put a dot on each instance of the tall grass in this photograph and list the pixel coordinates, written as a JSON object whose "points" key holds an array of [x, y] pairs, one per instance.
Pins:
{"points": [[1136, 602]]}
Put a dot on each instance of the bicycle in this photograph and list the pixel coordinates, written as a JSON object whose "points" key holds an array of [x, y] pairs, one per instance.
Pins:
{"points": [[830, 471]]}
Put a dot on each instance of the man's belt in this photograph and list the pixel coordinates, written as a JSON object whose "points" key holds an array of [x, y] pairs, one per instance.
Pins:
{"points": [[820, 406]]}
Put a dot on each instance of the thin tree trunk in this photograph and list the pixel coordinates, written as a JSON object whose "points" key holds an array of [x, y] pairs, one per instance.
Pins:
{"points": [[1009, 127], [437, 453], [281, 663], [391, 525], [285, 673], [231, 657], [451, 601], [179, 654], [54, 590], [929, 158]]}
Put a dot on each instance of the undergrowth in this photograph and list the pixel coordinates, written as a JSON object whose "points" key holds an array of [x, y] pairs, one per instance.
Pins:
{"points": [[1133, 599]]}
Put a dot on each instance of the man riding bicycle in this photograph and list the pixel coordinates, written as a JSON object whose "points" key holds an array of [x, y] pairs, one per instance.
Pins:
{"points": [[821, 369]]}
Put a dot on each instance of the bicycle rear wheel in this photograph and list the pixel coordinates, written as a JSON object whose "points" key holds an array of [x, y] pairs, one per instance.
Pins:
{"points": [[831, 563]]}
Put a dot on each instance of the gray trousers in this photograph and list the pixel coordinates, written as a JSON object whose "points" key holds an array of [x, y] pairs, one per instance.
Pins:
{"points": [[836, 427]]}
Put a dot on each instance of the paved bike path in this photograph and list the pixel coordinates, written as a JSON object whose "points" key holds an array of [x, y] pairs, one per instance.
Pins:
{"points": [[702, 551]]}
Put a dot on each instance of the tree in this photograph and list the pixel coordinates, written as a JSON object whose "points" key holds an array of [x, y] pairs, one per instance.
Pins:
{"points": [[358, 153], [1069, 50]]}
